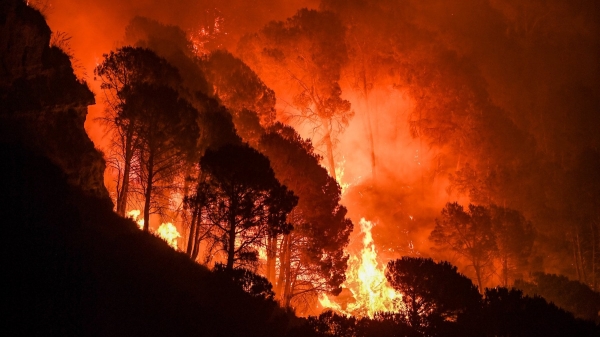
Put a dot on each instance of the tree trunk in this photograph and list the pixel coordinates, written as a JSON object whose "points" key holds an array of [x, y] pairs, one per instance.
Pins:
{"points": [[329, 145], [271, 256], [192, 232], [477, 268], [231, 243], [365, 88], [580, 256], [288, 273], [283, 266], [148, 192], [576, 260], [123, 192], [505, 270]]}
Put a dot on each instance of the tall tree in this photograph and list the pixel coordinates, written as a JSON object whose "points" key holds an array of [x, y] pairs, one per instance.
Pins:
{"points": [[120, 73], [469, 234], [167, 132], [243, 201], [307, 52], [311, 258], [432, 292], [514, 239]]}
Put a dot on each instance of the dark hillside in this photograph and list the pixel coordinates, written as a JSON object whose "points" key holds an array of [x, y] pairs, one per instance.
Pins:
{"points": [[72, 267], [76, 268]]}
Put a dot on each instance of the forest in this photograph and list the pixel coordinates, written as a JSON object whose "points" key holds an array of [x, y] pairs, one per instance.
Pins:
{"points": [[303, 168]]}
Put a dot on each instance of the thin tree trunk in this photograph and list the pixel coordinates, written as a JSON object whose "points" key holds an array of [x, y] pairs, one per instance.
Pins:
{"points": [[505, 270], [192, 232], [282, 267], [477, 268], [365, 88], [288, 273], [123, 193], [271, 255], [148, 192], [580, 256], [231, 247], [330, 156], [576, 260], [329, 145]]}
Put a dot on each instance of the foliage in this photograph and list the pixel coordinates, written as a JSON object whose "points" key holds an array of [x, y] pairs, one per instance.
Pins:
{"points": [[167, 134], [572, 296], [120, 73], [314, 259], [238, 87], [242, 201], [433, 293], [514, 238], [252, 283], [509, 313], [469, 234]]}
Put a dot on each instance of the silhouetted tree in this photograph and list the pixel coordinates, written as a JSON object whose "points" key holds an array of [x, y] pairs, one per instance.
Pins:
{"points": [[238, 87], [433, 293], [120, 73], [572, 296], [171, 43], [509, 313], [514, 239], [469, 234], [167, 132], [311, 258], [250, 282], [243, 201]]}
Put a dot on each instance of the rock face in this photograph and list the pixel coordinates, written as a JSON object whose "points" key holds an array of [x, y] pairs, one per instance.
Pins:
{"points": [[42, 104]]}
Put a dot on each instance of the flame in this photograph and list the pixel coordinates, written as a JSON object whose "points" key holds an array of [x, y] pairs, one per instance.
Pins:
{"points": [[206, 33], [339, 174], [366, 281], [166, 231], [133, 215]]}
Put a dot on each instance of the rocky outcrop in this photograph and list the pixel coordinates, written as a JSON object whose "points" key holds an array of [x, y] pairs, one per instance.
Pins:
{"points": [[42, 103]]}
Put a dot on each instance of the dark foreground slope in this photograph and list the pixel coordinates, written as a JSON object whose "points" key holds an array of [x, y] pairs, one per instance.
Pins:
{"points": [[73, 267]]}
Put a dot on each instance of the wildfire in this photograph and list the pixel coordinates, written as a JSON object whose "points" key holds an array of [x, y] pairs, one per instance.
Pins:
{"points": [[207, 32], [133, 215], [166, 231], [366, 281]]}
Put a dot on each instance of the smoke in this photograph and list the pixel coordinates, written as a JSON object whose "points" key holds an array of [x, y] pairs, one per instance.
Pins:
{"points": [[531, 70], [97, 27]]}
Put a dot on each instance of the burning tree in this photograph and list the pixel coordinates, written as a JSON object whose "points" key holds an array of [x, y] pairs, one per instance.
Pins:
{"points": [[241, 201], [307, 52], [311, 258]]}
